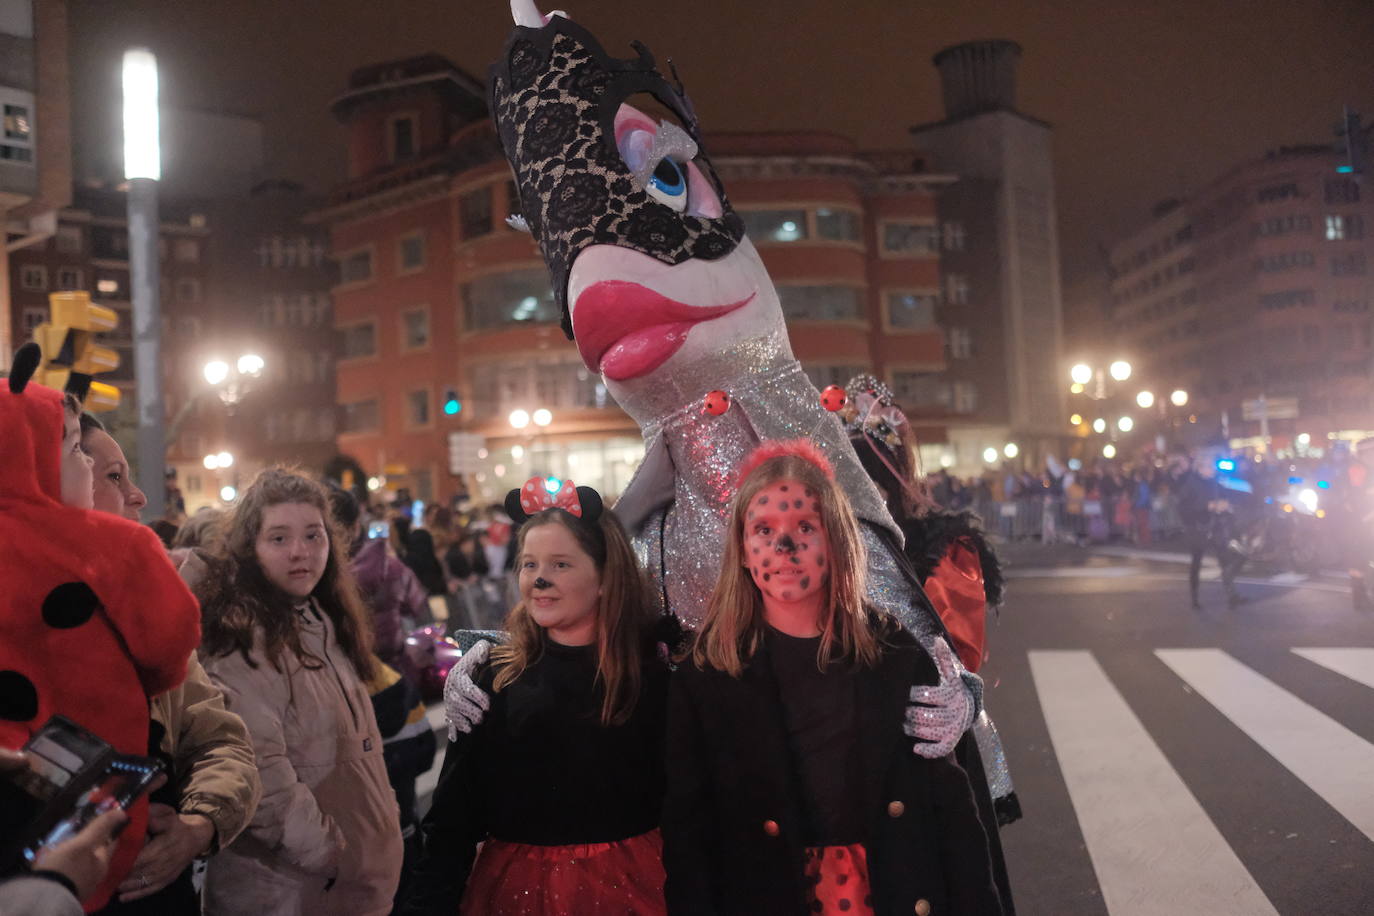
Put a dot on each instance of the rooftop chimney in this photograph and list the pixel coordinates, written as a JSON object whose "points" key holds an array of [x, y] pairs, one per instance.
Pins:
{"points": [[978, 76]]}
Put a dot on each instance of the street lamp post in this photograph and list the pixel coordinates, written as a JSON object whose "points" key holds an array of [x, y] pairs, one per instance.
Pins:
{"points": [[142, 170]]}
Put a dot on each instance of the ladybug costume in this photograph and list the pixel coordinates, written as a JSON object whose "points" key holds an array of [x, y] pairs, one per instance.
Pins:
{"points": [[94, 619]]}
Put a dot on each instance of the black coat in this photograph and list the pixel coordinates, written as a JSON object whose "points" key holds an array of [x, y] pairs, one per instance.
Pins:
{"points": [[732, 819]]}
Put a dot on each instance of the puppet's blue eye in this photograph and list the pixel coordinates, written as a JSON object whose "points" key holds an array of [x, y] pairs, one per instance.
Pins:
{"points": [[668, 184]]}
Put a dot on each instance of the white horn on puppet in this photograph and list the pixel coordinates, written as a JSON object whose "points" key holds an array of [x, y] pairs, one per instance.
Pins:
{"points": [[527, 15]]}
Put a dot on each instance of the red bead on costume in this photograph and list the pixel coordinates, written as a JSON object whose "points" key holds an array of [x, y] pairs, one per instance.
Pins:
{"points": [[716, 403], [833, 398]]}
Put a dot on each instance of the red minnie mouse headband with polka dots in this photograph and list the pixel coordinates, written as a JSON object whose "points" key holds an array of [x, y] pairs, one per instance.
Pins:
{"points": [[804, 449], [582, 503]]}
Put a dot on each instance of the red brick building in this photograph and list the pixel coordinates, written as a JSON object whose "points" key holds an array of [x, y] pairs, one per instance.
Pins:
{"points": [[437, 294]]}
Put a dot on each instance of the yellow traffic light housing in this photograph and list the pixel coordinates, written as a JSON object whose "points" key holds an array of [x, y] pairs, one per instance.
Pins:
{"points": [[70, 353]]}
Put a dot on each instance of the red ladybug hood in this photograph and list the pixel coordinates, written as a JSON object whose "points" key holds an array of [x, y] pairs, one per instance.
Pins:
{"points": [[30, 458]]}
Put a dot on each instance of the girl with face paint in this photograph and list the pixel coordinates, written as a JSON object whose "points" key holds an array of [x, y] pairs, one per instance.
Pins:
{"points": [[561, 781], [791, 787]]}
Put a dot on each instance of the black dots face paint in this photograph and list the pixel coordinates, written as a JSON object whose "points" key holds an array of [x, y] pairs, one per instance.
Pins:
{"points": [[798, 504], [783, 488], [805, 582], [541, 583], [767, 576], [786, 544], [763, 500], [794, 559], [786, 596], [767, 563]]}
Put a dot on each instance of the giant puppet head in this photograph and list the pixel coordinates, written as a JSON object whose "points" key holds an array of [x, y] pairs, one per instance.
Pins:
{"points": [[649, 263]]}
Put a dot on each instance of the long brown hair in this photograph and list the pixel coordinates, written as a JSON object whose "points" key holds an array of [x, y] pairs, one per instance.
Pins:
{"points": [[622, 615], [734, 623], [236, 598]]}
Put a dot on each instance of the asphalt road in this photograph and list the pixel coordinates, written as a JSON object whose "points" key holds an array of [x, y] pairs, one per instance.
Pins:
{"points": [[1213, 763], [1173, 761]]}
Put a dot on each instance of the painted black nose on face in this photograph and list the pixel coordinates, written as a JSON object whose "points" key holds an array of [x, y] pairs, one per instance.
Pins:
{"points": [[541, 582], [785, 544]]}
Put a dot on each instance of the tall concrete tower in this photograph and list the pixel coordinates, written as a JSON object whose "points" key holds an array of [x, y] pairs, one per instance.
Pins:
{"points": [[1001, 260]]}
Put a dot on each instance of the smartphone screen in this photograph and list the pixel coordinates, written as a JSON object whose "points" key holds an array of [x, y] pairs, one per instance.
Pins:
{"points": [[123, 782], [378, 530]]}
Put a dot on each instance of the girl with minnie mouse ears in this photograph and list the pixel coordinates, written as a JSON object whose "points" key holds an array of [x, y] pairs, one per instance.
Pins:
{"points": [[791, 786], [561, 778]]}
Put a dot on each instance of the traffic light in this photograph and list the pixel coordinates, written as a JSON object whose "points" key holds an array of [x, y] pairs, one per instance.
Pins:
{"points": [[451, 403], [71, 355]]}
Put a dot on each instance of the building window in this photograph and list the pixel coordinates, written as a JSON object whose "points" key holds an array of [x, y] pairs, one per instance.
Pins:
{"points": [[1286, 299], [837, 225], [356, 267], [501, 300], [109, 288], [953, 235], [1350, 305], [956, 289], [358, 340], [909, 311], [918, 389], [188, 290], [417, 408], [359, 417], [1291, 260], [403, 139], [821, 303], [474, 212], [34, 277], [1276, 192], [16, 145], [412, 253], [68, 239], [415, 329], [1341, 227], [1348, 265], [32, 317], [562, 383], [69, 278], [1342, 191], [774, 225], [911, 239], [825, 374], [964, 397], [960, 343], [186, 251]]}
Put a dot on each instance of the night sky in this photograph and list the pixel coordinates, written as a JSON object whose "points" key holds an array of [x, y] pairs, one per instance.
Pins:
{"points": [[1149, 98]]}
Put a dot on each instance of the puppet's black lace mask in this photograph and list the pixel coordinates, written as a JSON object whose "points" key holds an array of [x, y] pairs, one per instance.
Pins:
{"points": [[554, 95]]}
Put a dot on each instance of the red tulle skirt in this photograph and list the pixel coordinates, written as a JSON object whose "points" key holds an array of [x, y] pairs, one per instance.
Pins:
{"points": [[838, 876], [624, 878]]}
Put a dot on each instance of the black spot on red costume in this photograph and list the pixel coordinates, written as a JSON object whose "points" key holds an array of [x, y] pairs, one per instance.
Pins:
{"points": [[69, 605]]}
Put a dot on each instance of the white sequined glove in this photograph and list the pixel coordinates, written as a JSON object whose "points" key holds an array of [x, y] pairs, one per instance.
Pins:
{"points": [[939, 715], [465, 704]]}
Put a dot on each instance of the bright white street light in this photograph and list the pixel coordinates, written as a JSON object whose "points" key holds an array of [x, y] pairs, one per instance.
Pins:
{"points": [[1076, 420], [519, 419], [990, 455], [211, 462], [142, 157], [1081, 374], [251, 364], [374, 484], [1146, 400], [946, 460], [1011, 450], [1099, 425], [225, 459], [228, 494], [1179, 397], [517, 452], [216, 371], [1109, 451], [1304, 438], [1120, 370], [1125, 424], [542, 417]]}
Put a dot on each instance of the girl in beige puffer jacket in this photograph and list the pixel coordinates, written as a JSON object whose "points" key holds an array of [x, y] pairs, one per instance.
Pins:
{"points": [[286, 639]]}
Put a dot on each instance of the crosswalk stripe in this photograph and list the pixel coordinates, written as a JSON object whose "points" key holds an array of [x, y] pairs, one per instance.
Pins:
{"points": [[1152, 845], [1333, 761], [1356, 664]]}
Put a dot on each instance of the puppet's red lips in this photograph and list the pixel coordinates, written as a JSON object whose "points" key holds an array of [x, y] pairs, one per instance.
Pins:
{"points": [[625, 330]]}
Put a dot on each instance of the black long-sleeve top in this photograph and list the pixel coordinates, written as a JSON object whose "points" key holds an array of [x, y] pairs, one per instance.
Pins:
{"points": [[541, 769]]}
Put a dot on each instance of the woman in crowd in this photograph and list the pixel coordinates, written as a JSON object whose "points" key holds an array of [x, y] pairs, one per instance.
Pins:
{"points": [[562, 781], [212, 787], [791, 788], [286, 639]]}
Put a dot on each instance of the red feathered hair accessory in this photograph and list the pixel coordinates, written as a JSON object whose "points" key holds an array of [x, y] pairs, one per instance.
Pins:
{"points": [[804, 449]]}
